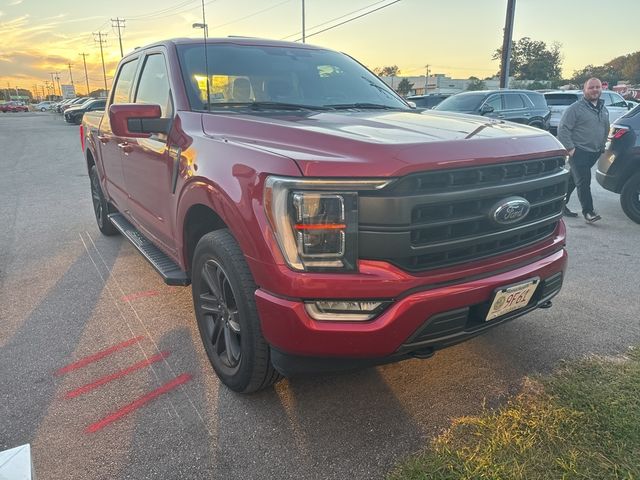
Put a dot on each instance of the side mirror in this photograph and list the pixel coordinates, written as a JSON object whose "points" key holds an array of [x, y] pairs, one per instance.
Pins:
{"points": [[412, 104], [486, 109], [137, 120]]}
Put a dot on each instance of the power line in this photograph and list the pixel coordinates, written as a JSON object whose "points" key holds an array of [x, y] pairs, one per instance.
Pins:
{"points": [[337, 18], [252, 14], [350, 20], [161, 12], [154, 16]]}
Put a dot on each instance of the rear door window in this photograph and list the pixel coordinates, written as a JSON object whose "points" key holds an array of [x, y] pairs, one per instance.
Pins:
{"points": [[513, 102], [561, 99]]}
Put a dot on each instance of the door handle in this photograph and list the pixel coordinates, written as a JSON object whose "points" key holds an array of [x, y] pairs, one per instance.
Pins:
{"points": [[500, 116], [103, 138], [125, 147]]}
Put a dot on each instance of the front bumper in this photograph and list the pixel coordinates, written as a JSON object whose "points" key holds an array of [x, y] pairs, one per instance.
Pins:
{"points": [[408, 327]]}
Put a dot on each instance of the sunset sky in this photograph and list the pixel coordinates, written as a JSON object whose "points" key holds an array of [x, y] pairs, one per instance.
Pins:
{"points": [[456, 37]]}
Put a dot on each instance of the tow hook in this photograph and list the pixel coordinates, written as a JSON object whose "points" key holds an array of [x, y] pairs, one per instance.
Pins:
{"points": [[546, 304]]}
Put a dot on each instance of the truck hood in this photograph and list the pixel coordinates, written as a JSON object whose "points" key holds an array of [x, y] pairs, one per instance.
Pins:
{"points": [[382, 143]]}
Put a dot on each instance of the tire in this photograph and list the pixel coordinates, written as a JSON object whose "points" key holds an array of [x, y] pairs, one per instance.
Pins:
{"points": [[43, 109], [630, 197], [223, 298], [101, 207]]}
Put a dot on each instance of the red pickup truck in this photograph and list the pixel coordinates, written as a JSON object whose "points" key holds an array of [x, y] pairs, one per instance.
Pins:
{"points": [[321, 221]]}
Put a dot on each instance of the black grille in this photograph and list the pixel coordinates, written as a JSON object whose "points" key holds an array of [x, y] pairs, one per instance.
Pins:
{"points": [[449, 221], [485, 175]]}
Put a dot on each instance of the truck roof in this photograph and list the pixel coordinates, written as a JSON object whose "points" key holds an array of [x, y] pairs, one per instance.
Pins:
{"points": [[236, 40]]}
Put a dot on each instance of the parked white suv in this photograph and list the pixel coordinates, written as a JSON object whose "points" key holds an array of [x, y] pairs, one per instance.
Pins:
{"points": [[560, 100]]}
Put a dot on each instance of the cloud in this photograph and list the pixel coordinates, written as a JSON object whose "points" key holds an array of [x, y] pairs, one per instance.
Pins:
{"points": [[15, 2]]}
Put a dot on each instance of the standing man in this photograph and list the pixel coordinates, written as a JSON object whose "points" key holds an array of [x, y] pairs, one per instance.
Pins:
{"points": [[583, 131]]}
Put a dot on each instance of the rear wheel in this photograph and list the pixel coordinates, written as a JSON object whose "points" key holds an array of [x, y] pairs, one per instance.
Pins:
{"points": [[630, 197], [101, 208], [223, 297]]}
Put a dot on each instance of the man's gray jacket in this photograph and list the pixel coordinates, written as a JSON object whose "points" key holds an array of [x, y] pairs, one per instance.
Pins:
{"points": [[584, 126]]}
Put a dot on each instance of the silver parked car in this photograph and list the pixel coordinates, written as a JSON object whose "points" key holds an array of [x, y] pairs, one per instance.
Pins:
{"points": [[560, 100]]}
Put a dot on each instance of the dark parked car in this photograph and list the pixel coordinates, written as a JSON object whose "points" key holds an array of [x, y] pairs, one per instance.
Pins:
{"points": [[619, 166], [520, 106], [428, 101], [74, 114]]}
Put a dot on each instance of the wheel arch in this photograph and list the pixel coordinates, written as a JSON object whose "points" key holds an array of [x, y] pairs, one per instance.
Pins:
{"points": [[199, 220]]}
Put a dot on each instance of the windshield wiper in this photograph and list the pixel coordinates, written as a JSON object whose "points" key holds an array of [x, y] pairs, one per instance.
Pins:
{"points": [[269, 106], [367, 106]]}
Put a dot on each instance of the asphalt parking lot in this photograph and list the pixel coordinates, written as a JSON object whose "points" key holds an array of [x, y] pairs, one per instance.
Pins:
{"points": [[103, 372]]}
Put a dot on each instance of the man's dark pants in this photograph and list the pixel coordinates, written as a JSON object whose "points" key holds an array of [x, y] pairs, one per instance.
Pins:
{"points": [[580, 178]]}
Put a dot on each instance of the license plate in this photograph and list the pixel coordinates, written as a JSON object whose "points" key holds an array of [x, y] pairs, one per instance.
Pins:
{"points": [[513, 297]]}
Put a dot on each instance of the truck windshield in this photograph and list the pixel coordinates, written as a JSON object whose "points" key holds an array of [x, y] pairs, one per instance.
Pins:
{"points": [[280, 77]]}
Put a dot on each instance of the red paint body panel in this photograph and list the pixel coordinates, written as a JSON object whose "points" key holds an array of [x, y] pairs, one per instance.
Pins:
{"points": [[223, 160]]}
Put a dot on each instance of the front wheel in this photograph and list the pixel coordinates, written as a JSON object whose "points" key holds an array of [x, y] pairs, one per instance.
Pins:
{"points": [[223, 297], [630, 198], [101, 208]]}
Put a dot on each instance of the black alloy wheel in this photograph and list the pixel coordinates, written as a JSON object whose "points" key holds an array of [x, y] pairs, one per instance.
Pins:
{"points": [[223, 292], [219, 309], [101, 208], [630, 197]]}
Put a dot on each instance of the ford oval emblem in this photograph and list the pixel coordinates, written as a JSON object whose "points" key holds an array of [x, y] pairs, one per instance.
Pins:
{"points": [[510, 210]]}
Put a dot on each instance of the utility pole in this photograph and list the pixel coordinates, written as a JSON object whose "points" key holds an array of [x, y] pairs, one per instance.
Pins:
{"points": [[86, 77], [426, 80], [506, 44], [102, 41], [53, 82], [58, 79], [70, 74], [119, 22], [303, 23]]}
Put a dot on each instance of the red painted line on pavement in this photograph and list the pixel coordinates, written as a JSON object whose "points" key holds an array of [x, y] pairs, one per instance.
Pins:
{"points": [[179, 380], [135, 296], [98, 356], [114, 376]]}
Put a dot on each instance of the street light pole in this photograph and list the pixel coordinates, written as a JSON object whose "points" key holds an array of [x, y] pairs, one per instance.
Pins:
{"points": [[303, 23]]}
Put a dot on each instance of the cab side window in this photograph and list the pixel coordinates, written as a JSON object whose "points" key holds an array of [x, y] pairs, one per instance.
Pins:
{"points": [[123, 83], [153, 87]]}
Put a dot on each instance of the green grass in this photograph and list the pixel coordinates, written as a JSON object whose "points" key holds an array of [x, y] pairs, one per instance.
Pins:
{"points": [[581, 422]]}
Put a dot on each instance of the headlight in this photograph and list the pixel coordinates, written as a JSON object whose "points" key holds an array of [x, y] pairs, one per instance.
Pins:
{"points": [[316, 221]]}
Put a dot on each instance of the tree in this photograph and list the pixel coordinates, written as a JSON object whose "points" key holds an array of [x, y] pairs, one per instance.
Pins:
{"points": [[390, 71], [404, 87], [475, 84], [533, 60], [624, 67]]}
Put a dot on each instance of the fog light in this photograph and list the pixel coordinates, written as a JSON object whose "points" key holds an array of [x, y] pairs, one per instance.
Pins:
{"points": [[345, 310]]}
